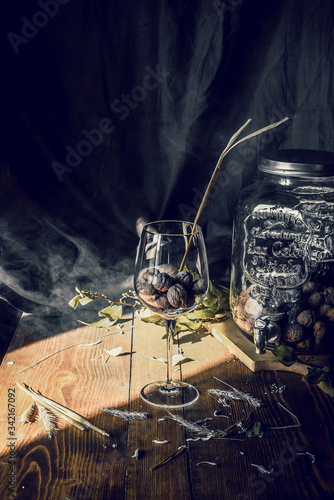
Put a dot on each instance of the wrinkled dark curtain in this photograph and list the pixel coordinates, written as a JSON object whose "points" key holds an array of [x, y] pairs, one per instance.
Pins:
{"points": [[112, 111]]}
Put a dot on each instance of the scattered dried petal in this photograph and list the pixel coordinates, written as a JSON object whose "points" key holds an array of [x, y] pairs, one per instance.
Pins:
{"points": [[262, 469], [158, 441], [205, 462], [114, 352], [217, 414], [136, 454], [308, 453]]}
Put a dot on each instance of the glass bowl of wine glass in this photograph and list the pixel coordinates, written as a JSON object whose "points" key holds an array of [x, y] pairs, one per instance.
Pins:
{"points": [[171, 278]]}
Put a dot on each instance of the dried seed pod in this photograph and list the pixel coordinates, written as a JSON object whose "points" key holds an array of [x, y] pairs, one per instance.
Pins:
{"points": [[306, 318], [330, 314], [184, 278], [162, 282], [199, 287], [320, 332], [177, 296], [311, 287], [315, 300], [294, 333]]}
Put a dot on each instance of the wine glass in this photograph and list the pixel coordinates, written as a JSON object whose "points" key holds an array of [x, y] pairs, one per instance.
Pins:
{"points": [[171, 278]]}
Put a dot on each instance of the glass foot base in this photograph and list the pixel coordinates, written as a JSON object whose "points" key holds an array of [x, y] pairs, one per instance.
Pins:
{"points": [[169, 394]]}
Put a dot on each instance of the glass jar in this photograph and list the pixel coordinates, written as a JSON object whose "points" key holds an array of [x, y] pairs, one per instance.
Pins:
{"points": [[282, 272]]}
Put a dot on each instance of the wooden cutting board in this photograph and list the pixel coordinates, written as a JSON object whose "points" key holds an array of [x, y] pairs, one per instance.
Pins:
{"points": [[243, 347]]}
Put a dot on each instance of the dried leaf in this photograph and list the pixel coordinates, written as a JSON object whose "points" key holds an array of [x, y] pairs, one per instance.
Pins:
{"points": [[103, 323], [114, 352], [254, 430], [285, 355], [177, 359], [201, 314], [112, 312], [154, 318], [315, 375], [75, 301]]}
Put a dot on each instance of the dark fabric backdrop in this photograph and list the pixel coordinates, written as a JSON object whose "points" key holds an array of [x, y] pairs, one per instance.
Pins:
{"points": [[112, 111]]}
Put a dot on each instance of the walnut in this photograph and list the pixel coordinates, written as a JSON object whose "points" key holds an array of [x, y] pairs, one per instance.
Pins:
{"points": [[199, 287], [184, 278], [320, 332], [315, 300], [306, 318], [294, 333], [170, 269], [162, 282], [177, 296], [311, 287], [323, 309], [303, 345], [162, 302], [147, 289], [330, 314], [149, 274]]}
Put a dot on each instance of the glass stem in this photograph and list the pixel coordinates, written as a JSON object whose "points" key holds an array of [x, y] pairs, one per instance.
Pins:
{"points": [[170, 327]]}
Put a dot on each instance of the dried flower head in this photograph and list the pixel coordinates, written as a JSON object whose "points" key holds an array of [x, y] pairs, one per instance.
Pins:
{"points": [[48, 420], [28, 415]]}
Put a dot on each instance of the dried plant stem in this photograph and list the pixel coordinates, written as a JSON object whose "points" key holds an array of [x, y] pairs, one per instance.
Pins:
{"points": [[298, 424], [231, 144], [62, 411], [170, 457], [65, 349], [111, 301]]}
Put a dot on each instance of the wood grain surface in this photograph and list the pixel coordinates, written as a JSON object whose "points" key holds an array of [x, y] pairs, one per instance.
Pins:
{"points": [[85, 465]]}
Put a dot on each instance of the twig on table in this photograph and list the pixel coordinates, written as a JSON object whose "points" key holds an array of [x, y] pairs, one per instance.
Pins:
{"points": [[287, 426], [170, 457], [80, 344]]}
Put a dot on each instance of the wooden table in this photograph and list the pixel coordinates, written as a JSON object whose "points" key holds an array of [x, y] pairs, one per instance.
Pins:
{"points": [[85, 465]]}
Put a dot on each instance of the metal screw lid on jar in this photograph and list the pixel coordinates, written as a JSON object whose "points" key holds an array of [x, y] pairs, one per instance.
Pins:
{"points": [[298, 163]]}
